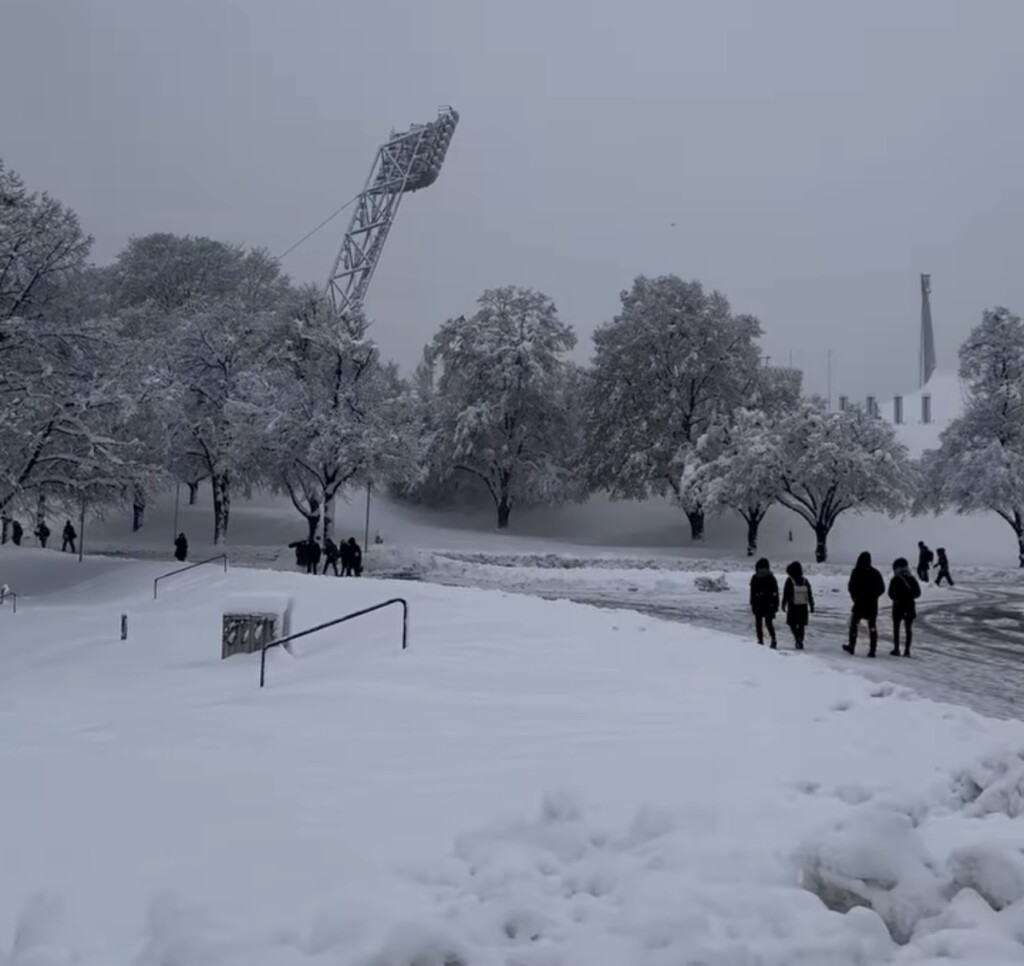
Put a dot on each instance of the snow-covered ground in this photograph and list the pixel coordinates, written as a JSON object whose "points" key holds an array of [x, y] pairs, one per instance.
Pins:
{"points": [[533, 782]]}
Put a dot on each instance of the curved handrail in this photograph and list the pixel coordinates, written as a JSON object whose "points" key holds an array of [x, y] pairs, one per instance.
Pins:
{"points": [[181, 570], [338, 620]]}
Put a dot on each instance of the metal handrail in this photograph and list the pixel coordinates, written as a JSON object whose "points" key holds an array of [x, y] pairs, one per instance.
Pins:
{"points": [[338, 620], [181, 570], [14, 600]]}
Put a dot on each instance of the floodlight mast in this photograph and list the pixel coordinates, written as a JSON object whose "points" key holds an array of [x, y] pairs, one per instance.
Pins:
{"points": [[407, 161]]}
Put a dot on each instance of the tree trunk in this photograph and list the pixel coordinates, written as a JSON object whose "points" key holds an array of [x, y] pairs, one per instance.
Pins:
{"points": [[138, 508], [219, 483], [40, 511], [696, 518], [1020, 547], [312, 521], [753, 525], [504, 511], [193, 493], [328, 516], [821, 543]]}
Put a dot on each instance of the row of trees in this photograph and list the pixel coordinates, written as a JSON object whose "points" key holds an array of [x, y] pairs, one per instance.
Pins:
{"points": [[678, 403], [194, 360], [187, 359]]}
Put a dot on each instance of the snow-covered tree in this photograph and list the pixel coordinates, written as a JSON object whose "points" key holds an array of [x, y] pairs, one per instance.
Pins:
{"points": [[170, 271], [737, 467], [832, 462], [672, 361], [335, 415], [979, 465], [503, 398], [42, 246], [215, 379]]}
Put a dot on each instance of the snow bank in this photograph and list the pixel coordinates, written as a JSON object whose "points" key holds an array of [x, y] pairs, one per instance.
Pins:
{"points": [[533, 782]]}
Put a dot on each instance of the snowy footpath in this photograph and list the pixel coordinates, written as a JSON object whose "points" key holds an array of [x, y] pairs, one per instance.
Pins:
{"points": [[532, 783]]}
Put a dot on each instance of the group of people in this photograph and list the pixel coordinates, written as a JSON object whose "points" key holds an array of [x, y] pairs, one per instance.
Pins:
{"points": [[41, 533], [925, 559], [349, 555], [866, 587]]}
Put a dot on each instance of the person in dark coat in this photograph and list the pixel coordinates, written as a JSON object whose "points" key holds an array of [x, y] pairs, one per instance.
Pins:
{"points": [[312, 556], [903, 591], [301, 548], [943, 565], [797, 602], [181, 547], [351, 558], [17, 531], [924, 561], [68, 538], [866, 586], [764, 601], [330, 555], [43, 534]]}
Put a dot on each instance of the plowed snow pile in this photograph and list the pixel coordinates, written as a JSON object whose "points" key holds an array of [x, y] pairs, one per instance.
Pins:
{"points": [[532, 783]]}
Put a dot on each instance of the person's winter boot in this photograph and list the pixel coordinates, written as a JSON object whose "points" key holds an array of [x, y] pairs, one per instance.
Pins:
{"points": [[775, 644], [895, 652], [872, 644], [906, 651], [849, 648]]}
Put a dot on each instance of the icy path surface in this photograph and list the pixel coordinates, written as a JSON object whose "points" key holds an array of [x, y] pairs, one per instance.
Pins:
{"points": [[969, 640], [533, 783]]}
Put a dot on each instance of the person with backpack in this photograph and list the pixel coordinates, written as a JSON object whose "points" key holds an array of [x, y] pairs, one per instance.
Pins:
{"points": [[43, 534], [764, 601], [331, 555], [181, 548], [69, 536], [797, 602], [943, 565], [924, 561], [301, 548], [865, 586], [903, 591]]}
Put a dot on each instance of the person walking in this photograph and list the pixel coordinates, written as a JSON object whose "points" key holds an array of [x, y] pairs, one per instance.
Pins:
{"points": [[764, 601], [312, 555], [797, 602], [943, 565], [924, 561], [352, 559], [866, 586], [181, 547], [69, 536], [903, 591], [330, 556], [43, 534]]}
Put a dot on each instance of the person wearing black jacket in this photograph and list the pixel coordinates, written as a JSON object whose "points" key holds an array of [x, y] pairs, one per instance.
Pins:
{"points": [[943, 565], [924, 561], [903, 591], [312, 555], [764, 601], [797, 602], [351, 558], [330, 556], [43, 534], [17, 531], [866, 586], [68, 537], [181, 547]]}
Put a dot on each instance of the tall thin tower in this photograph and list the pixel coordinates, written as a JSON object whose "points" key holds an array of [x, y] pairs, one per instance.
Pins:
{"points": [[926, 360]]}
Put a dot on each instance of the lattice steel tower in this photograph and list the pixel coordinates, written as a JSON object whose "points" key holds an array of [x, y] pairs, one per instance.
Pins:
{"points": [[407, 161]]}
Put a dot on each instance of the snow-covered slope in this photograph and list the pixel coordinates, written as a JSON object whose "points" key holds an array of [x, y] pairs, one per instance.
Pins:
{"points": [[531, 783]]}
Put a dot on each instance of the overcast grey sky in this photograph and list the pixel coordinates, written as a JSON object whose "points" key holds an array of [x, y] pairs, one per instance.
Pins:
{"points": [[807, 157]]}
